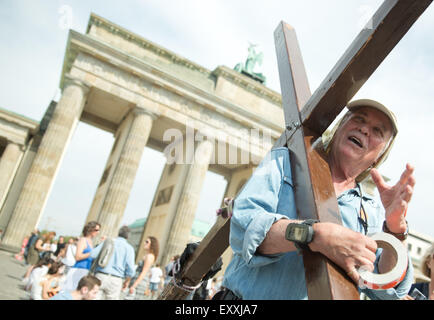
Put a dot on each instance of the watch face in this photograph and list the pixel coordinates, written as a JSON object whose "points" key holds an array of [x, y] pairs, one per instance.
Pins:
{"points": [[298, 233]]}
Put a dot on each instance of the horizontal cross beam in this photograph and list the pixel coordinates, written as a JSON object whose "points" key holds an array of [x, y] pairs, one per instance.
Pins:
{"points": [[381, 34]]}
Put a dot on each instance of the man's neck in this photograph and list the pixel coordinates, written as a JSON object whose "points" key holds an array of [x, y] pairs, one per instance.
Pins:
{"points": [[342, 179], [76, 295], [342, 186], [342, 182]]}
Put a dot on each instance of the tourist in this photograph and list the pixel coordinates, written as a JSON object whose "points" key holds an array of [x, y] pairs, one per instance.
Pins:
{"points": [[37, 250], [36, 291], [120, 266], [20, 256], [87, 289], [32, 239], [60, 245], [82, 255], [155, 280], [151, 247], [425, 287], [168, 269], [38, 272], [53, 246], [53, 280]]}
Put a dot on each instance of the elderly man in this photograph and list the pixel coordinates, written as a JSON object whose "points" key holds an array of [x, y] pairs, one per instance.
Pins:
{"points": [[119, 266], [266, 264]]}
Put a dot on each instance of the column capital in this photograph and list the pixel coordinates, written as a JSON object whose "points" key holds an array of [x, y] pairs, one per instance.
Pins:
{"points": [[19, 145], [11, 141], [71, 80], [141, 110]]}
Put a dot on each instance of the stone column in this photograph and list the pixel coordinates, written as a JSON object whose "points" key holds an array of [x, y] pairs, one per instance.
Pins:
{"points": [[43, 170], [236, 181], [124, 174], [9, 163], [181, 228]]}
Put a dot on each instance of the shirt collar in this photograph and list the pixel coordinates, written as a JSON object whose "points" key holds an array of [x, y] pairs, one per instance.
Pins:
{"points": [[356, 191]]}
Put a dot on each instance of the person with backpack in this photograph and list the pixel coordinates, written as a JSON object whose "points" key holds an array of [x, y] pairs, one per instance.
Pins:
{"points": [[36, 249], [32, 239], [113, 262]]}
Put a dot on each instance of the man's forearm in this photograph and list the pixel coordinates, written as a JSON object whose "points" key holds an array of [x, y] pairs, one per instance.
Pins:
{"points": [[126, 282], [275, 241]]}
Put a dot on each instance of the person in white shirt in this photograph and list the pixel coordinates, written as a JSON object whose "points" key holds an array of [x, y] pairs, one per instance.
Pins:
{"points": [[69, 259], [53, 246], [155, 280], [38, 271]]}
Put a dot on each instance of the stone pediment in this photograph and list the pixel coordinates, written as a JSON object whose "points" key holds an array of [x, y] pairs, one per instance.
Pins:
{"points": [[223, 82]]}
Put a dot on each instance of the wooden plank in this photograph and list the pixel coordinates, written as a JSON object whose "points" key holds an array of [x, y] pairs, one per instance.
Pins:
{"points": [[314, 193], [206, 254], [292, 74], [385, 29]]}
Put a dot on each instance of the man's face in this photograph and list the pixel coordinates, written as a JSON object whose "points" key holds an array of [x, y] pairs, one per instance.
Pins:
{"points": [[363, 137], [90, 294]]}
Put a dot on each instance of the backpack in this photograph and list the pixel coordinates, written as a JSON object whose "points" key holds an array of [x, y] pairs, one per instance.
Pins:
{"points": [[104, 255]]}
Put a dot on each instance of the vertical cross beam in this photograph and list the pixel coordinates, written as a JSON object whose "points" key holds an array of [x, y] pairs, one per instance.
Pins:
{"points": [[314, 193]]}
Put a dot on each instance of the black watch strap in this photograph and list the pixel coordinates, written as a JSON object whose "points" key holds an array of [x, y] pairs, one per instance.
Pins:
{"points": [[310, 222]]}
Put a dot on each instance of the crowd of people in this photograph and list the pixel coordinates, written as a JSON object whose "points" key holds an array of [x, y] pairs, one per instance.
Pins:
{"points": [[75, 268]]}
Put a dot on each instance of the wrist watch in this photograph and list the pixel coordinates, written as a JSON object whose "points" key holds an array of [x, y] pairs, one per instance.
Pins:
{"points": [[301, 234], [399, 236]]}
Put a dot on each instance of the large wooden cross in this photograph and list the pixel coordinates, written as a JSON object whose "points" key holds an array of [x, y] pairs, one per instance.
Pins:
{"points": [[307, 116]]}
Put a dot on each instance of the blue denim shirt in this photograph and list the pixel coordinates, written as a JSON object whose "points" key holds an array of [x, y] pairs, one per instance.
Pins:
{"points": [[268, 197], [121, 263]]}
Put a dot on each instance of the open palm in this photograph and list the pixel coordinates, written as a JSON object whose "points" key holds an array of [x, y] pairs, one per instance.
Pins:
{"points": [[395, 198]]}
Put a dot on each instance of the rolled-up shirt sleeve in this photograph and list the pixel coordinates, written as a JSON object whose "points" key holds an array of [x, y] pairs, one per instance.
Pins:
{"points": [[255, 210]]}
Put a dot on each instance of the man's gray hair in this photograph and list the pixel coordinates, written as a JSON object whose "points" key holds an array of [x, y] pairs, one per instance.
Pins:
{"points": [[124, 232]]}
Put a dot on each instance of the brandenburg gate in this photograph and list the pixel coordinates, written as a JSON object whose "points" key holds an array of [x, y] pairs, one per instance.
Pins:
{"points": [[147, 96]]}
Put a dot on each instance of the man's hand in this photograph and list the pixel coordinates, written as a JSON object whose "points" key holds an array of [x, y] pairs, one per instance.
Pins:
{"points": [[345, 247], [126, 283], [395, 198]]}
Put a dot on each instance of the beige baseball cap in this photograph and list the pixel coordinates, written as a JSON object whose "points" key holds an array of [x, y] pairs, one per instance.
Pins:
{"points": [[376, 105]]}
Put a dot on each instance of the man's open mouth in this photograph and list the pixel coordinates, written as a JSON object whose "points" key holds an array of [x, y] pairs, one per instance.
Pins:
{"points": [[356, 141]]}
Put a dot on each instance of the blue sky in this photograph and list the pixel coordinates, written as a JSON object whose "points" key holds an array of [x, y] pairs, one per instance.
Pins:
{"points": [[33, 38]]}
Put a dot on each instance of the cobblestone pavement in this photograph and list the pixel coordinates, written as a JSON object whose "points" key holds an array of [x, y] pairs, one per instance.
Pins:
{"points": [[11, 273]]}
